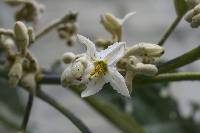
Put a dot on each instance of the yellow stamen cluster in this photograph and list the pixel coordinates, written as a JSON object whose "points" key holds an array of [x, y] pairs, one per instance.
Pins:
{"points": [[99, 69]]}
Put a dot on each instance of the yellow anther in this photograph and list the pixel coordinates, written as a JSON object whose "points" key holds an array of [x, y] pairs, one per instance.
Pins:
{"points": [[100, 68]]}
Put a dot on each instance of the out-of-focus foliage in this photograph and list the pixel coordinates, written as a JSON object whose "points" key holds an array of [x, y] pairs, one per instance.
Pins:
{"points": [[156, 111], [11, 105]]}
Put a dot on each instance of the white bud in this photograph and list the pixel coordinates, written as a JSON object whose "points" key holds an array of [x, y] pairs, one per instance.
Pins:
{"points": [[189, 15], [31, 35], [15, 74], [9, 43], [114, 25], [197, 9], [28, 81], [145, 49], [195, 21], [192, 3], [146, 69], [133, 60], [68, 57], [22, 37]]}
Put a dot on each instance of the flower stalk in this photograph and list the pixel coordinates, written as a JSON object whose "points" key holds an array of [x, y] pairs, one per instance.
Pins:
{"points": [[27, 112], [170, 30], [180, 61]]}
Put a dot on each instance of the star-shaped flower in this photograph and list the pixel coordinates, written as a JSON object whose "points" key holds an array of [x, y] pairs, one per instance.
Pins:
{"points": [[102, 69]]}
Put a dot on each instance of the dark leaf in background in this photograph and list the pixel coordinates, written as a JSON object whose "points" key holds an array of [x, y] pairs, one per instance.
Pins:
{"points": [[156, 112], [10, 98]]}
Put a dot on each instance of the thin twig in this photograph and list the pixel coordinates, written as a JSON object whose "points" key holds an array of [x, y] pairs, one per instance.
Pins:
{"points": [[27, 112], [50, 26], [170, 30], [180, 61], [83, 128], [182, 76], [169, 77]]}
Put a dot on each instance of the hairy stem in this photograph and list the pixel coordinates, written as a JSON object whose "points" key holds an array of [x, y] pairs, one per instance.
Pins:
{"points": [[27, 113], [170, 30], [180, 61], [83, 128]]}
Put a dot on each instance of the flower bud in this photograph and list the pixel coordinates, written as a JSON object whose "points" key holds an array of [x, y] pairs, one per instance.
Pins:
{"points": [[114, 25], [15, 73], [146, 69], [22, 37], [197, 9], [67, 77], [145, 49], [31, 35], [28, 81], [9, 47], [68, 57], [103, 43], [189, 15], [192, 3], [9, 44], [195, 21], [110, 22]]}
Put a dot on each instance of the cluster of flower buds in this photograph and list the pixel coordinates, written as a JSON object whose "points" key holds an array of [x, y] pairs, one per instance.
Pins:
{"points": [[68, 28], [30, 10], [113, 25], [138, 60], [94, 69], [193, 15], [23, 67]]}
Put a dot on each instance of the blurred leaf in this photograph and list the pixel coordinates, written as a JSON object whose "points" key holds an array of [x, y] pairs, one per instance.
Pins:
{"points": [[156, 111], [10, 98], [181, 7], [168, 127]]}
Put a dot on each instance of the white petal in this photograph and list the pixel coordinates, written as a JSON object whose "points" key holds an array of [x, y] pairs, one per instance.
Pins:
{"points": [[93, 87], [117, 81], [113, 53], [91, 49], [88, 70], [129, 15]]}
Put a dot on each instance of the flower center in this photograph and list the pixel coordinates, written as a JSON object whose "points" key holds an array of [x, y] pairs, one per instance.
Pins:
{"points": [[100, 68]]}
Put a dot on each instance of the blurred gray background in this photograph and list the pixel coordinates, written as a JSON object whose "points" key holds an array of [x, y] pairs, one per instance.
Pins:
{"points": [[148, 25]]}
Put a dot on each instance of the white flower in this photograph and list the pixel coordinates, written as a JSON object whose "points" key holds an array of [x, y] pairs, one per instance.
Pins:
{"points": [[101, 68]]}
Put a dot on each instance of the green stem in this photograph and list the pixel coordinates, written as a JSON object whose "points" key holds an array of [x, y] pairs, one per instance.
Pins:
{"points": [[83, 128], [180, 61], [27, 113], [170, 30], [168, 77]]}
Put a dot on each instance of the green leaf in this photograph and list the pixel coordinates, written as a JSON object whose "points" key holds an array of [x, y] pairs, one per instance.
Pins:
{"points": [[181, 7]]}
